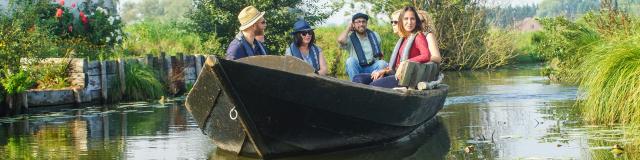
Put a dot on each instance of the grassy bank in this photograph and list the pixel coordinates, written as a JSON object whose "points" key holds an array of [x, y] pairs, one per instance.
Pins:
{"points": [[600, 53]]}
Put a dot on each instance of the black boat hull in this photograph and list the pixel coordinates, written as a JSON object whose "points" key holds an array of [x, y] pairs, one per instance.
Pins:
{"points": [[275, 106]]}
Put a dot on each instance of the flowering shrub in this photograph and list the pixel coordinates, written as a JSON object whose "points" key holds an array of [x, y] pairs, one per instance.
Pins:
{"points": [[88, 21]]}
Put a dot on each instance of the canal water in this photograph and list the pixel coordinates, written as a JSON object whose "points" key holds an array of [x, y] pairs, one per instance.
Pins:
{"points": [[512, 113]]}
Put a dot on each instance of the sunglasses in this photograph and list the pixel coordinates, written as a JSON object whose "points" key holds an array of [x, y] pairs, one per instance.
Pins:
{"points": [[394, 22], [305, 33]]}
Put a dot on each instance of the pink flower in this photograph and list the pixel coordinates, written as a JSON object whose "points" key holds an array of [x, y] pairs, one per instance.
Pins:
{"points": [[59, 13], [73, 5], [83, 18], [70, 28], [62, 2]]}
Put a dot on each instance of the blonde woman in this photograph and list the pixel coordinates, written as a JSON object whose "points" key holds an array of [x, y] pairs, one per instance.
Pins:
{"points": [[428, 30]]}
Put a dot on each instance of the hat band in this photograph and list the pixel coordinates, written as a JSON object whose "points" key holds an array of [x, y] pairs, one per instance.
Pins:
{"points": [[252, 19]]}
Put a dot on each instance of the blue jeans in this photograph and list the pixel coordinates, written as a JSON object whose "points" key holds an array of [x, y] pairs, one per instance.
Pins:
{"points": [[353, 67]]}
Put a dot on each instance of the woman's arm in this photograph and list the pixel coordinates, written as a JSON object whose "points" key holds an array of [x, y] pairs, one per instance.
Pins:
{"points": [[433, 48], [421, 43], [323, 64]]}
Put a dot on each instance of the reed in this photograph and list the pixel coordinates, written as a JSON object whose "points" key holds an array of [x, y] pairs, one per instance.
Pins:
{"points": [[611, 82], [141, 83]]}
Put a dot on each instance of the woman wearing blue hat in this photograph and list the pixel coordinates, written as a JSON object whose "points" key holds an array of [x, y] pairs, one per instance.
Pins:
{"points": [[304, 47]]}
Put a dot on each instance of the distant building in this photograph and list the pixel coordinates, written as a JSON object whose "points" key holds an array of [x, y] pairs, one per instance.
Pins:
{"points": [[528, 25]]}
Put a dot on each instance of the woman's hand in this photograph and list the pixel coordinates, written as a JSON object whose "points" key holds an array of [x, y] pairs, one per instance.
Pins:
{"points": [[379, 73]]}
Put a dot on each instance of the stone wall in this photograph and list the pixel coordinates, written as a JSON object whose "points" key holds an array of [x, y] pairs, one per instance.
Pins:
{"points": [[92, 80]]}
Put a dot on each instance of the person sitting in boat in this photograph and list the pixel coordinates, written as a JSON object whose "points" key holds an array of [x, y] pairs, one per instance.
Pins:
{"points": [[252, 24], [413, 46], [304, 47], [365, 53], [368, 78], [428, 30]]}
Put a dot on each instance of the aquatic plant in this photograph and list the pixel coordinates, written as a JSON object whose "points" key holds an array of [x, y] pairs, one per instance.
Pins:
{"points": [[141, 83], [611, 78]]}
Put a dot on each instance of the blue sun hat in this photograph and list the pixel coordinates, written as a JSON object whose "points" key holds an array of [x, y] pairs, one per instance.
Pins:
{"points": [[300, 26]]}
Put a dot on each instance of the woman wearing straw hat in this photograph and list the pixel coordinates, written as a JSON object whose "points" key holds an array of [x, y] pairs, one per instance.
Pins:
{"points": [[252, 24], [304, 47]]}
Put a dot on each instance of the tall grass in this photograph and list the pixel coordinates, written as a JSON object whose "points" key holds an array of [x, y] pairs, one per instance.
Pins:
{"points": [[141, 83], [611, 81], [171, 37]]}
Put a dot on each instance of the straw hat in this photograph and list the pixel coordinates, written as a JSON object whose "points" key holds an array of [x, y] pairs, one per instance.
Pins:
{"points": [[248, 16]]}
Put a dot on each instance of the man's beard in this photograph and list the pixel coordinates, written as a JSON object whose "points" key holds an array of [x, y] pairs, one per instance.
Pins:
{"points": [[258, 31], [361, 32]]}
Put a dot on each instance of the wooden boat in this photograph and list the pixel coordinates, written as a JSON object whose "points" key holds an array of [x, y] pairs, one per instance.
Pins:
{"points": [[272, 106]]}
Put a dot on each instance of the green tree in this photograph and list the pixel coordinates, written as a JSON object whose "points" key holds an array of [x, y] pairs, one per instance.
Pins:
{"points": [[219, 18], [509, 15], [156, 10]]}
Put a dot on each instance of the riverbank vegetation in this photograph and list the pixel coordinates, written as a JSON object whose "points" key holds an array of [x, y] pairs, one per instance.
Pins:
{"points": [[600, 53]]}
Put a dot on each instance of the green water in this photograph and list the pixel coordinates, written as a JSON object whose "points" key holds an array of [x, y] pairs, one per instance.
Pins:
{"points": [[505, 114]]}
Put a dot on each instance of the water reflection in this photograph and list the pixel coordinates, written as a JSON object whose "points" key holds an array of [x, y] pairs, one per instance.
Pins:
{"points": [[128, 130], [505, 114], [517, 114]]}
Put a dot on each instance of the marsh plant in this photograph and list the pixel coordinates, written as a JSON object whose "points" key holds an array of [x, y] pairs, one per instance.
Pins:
{"points": [[141, 83]]}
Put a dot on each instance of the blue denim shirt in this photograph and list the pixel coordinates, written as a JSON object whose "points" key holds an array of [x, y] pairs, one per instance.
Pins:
{"points": [[240, 48]]}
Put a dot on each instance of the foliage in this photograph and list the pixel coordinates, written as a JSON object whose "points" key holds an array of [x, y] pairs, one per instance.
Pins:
{"points": [[508, 16], [155, 10], [219, 16], [563, 43], [170, 37], [85, 28], [460, 28], [52, 76], [572, 9], [500, 50], [141, 82], [15, 83], [611, 78], [20, 38]]}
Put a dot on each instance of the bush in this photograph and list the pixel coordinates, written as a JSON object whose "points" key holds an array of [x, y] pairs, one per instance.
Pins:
{"points": [[611, 78], [16, 83], [141, 83], [92, 32], [52, 76], [500, 50], [563, 44]]}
